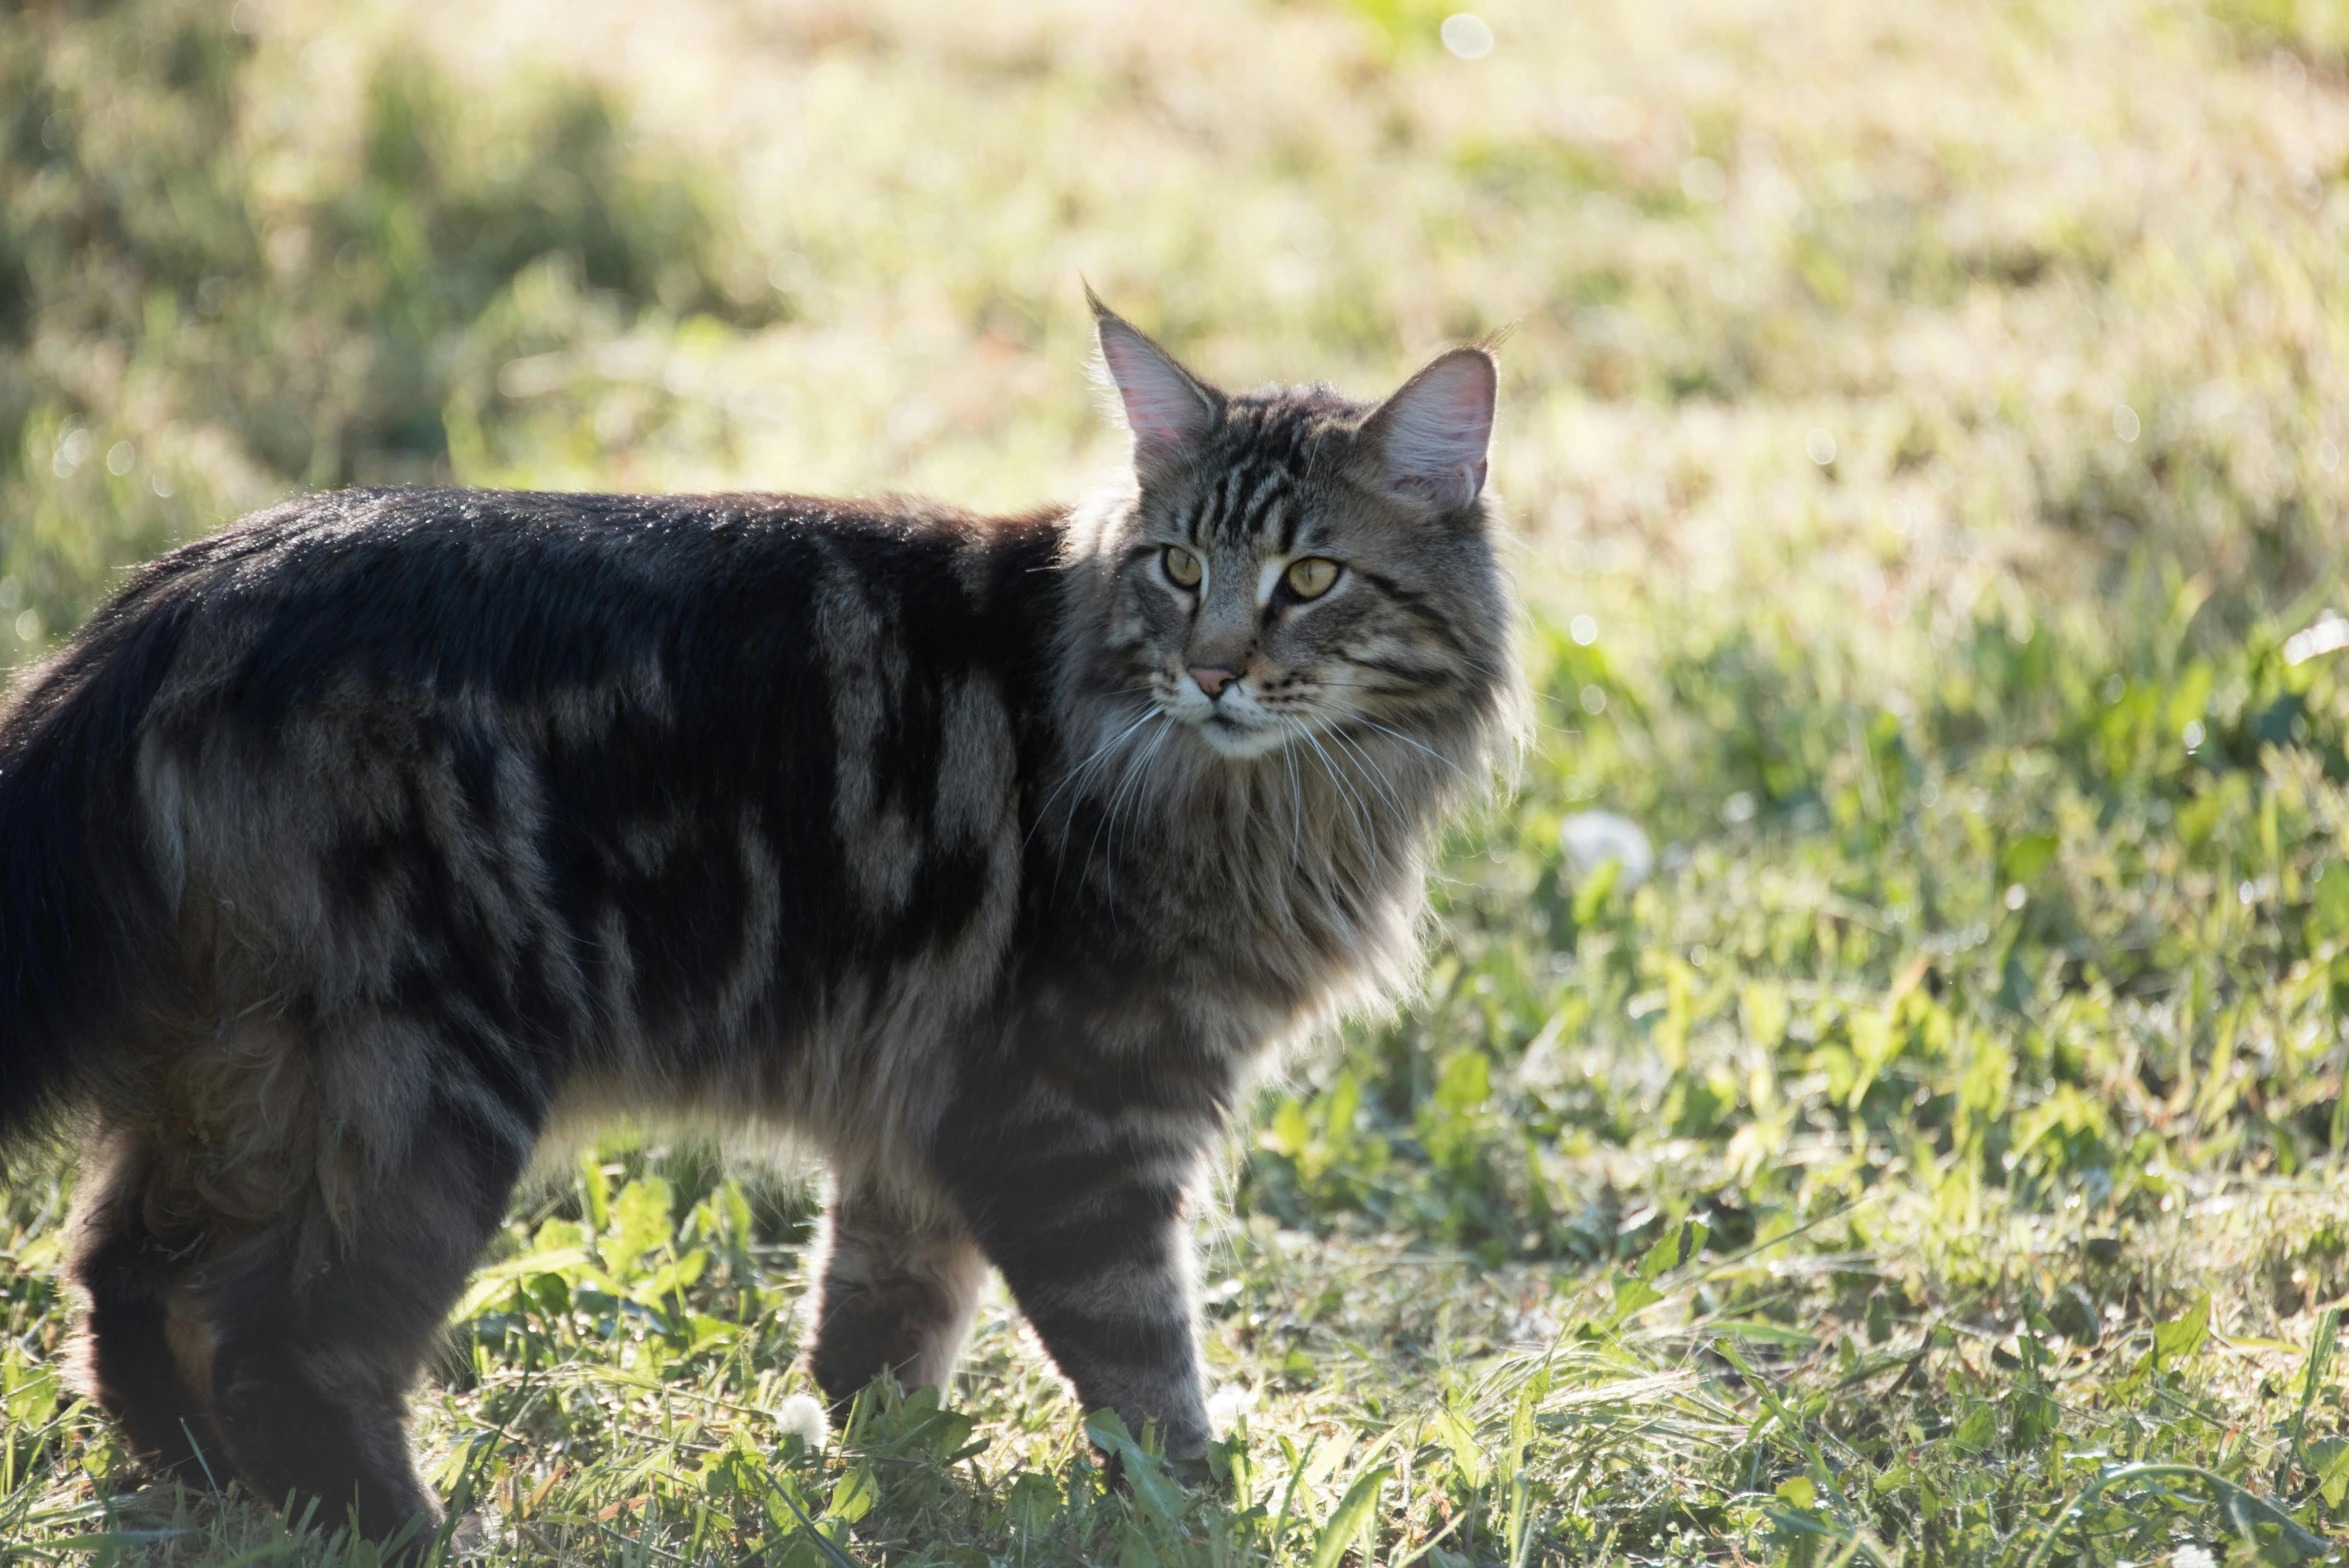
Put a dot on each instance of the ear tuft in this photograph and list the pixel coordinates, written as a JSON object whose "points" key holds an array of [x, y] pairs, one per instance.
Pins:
{"points": [[1429, 441], [1168, 409]]}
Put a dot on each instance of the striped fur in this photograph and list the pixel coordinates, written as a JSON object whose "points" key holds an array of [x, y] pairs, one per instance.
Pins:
{"points": [[349, 850]]}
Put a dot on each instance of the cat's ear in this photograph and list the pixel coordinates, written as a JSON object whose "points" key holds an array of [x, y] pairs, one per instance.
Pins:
{"points": [[1168, 409], [1428, 442]]}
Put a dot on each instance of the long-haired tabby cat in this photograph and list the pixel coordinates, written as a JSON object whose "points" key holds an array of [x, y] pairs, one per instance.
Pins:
{"points": [[348, 849]]}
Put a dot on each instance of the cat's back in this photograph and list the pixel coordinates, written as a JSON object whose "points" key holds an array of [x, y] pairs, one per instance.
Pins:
{"points": [[526, 597]]}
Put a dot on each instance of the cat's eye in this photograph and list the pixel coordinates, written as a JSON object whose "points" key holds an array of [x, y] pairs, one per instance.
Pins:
{"points": [[1182, 567], [1311, 577]]}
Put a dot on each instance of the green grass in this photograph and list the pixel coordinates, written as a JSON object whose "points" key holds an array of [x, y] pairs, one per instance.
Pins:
{"points": [[1926, 428]]}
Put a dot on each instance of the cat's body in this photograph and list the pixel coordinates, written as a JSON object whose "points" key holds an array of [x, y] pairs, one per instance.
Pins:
{"points": [[348, 850]]}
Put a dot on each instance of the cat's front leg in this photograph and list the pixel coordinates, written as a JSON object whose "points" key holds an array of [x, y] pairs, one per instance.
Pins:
{"points": [[1082, 1209]]}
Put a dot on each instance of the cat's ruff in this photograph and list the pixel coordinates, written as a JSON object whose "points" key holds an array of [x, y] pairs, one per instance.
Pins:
{"points": [[347, 850]]}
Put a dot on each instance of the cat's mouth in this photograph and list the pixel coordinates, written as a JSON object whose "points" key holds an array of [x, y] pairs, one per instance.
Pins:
{"points": [[1235, 722], [1233, 736]]}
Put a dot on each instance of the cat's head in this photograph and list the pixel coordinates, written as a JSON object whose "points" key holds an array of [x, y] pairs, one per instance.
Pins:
{"points": [[1297, 562]]}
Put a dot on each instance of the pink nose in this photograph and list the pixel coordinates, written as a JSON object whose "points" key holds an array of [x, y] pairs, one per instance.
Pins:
{"points": [[1213, 678]]}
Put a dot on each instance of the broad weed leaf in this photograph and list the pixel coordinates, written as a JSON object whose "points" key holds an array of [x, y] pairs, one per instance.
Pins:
{"points": [[640, 1222], [1677, 1250], [2181, 1337], [2328, 1457]]}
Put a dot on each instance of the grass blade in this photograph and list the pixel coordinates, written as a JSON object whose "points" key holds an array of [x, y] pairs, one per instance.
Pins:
{"points": [[1346, 1520]]}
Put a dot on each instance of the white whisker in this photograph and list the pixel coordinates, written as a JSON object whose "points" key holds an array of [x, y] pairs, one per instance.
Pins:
{"points": [[1136, 765], [1356, 718], [1355, 805], [1138, 783], [1296, 810], [1378, 775], [1078, 772]]}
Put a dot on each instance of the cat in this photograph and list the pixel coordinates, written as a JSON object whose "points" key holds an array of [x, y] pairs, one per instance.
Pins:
{"points": [[349, 849]]}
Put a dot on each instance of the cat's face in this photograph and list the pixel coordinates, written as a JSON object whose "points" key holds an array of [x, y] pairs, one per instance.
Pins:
{"points": [[1299, 564]]}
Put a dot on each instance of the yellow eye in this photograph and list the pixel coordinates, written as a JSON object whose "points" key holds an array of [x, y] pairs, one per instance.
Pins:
{"points": [[1182, 567], [1311, 577]]}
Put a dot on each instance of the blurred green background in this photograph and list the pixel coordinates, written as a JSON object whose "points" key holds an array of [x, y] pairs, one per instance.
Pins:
{"points": [[1925, 432]]}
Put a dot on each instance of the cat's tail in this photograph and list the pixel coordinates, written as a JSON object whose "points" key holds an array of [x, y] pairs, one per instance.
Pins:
{"points": [[84, 923]]}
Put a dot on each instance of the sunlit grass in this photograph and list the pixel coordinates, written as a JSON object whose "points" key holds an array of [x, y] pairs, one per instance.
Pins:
{"points": [[1927, 431]]}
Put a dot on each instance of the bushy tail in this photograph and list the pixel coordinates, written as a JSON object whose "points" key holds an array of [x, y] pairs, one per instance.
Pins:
{"points": [[83, 922]]}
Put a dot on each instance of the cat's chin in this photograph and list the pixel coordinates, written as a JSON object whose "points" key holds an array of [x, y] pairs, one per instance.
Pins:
{"points": [[1240, 742]]}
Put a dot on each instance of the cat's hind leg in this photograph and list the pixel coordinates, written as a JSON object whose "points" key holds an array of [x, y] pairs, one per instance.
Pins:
{"points": [[900, 1281], [321, 1320], [130, 1273]]}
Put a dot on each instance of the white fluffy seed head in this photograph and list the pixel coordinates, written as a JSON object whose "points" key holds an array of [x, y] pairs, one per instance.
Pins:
{"points": [[802, 1416]]}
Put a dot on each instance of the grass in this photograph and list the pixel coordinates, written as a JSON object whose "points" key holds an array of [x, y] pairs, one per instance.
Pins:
{"points": [[1926, 430]]}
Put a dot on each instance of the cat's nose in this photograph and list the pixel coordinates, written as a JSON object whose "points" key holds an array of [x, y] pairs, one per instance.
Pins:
{"points": [[1213, 678]]}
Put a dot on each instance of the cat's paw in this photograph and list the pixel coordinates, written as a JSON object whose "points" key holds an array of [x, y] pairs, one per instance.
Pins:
{"points": [[475, 1537]]}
